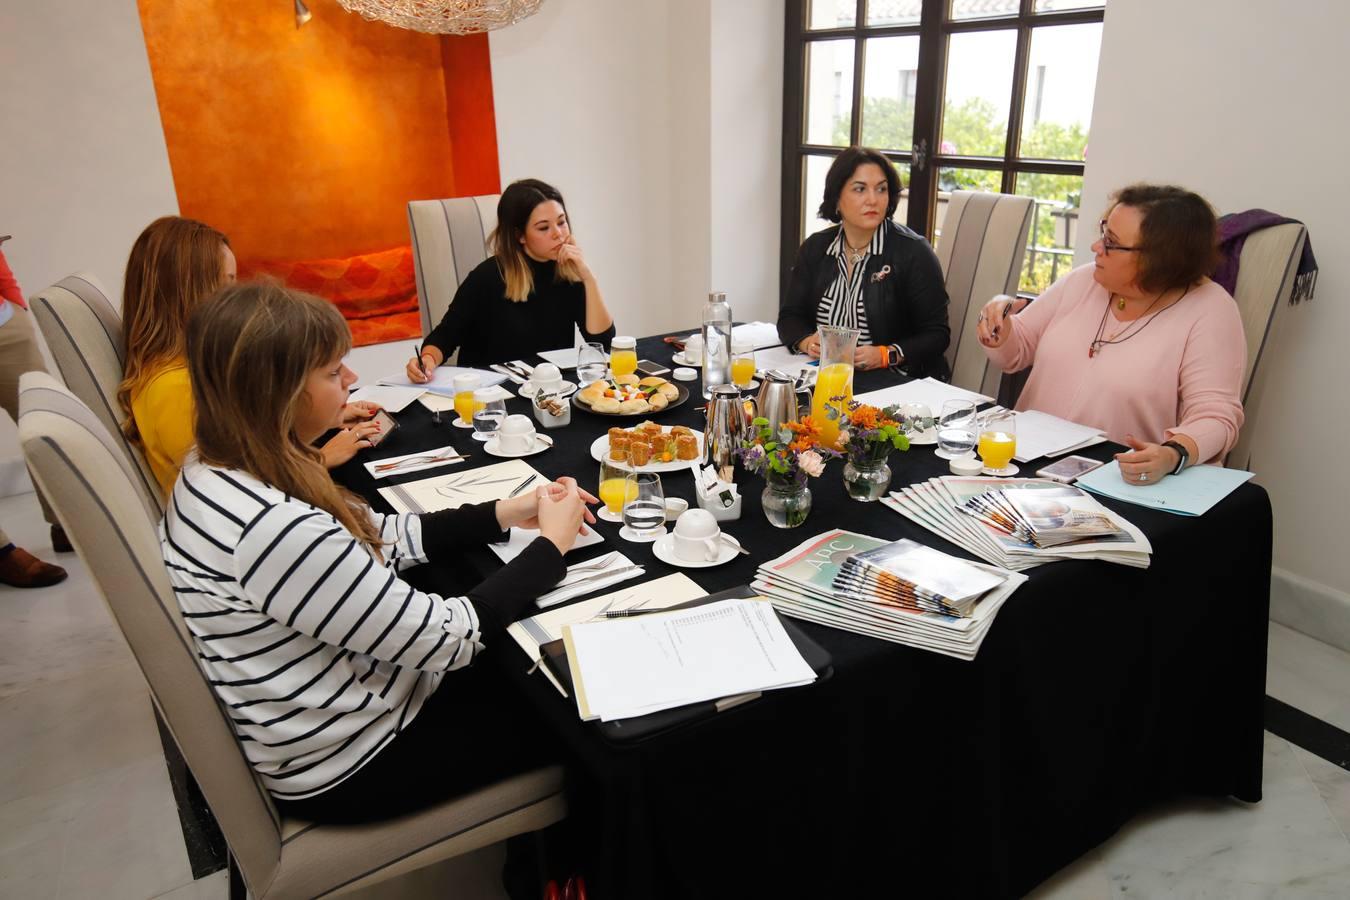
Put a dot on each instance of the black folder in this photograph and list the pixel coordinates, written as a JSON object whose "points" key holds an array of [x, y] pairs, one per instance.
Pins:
{"points": [[642, 727]]}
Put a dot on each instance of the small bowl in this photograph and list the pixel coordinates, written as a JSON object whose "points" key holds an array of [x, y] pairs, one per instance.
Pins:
{"points": [[683, 373], [967, 465]]}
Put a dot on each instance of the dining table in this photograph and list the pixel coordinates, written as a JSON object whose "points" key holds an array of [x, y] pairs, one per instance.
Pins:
{"points": [[1099, 691]]}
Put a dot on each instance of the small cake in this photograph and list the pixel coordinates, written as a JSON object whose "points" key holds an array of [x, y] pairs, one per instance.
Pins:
{"points": [[686, 446], [651, 428], [617, 433], [678, 430], [618, 447], [639, 454], [663, 447]]}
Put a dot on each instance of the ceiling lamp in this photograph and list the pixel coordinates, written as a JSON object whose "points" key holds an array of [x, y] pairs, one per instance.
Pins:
{"points": [[444, 16]]}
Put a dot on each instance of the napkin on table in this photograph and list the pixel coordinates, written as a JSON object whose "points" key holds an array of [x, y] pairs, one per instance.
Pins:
{"points": [[589, 580], [414, 467]]}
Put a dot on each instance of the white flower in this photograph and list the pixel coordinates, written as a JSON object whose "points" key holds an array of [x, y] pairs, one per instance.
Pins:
{"points": [[810, 462]]}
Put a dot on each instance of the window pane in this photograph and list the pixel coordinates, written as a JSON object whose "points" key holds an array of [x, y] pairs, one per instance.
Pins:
{"points": [[1054, 228], [829, 92], [894, 12], [978, 93], [1062, 5], [1061, 78], [984, 9], [952, 179], [831, 14], [813, 188], [813, 191], [890, 74]]}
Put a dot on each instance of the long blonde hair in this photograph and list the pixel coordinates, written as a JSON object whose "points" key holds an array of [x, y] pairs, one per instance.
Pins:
{"points": [[514, 209], [251, 349], [174, 265]]}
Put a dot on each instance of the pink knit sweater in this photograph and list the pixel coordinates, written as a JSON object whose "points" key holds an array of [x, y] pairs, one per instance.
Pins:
{"points": [[1182, 373]]}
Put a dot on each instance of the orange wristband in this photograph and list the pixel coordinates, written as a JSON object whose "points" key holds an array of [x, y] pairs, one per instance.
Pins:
{"points": [[883, 357]]}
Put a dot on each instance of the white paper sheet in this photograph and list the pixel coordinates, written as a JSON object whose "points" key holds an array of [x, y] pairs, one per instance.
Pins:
{"points": [[494, 482], [782, 359], [443, 378], [928, 391], [522, 537], [563, 359], [394, 399], [1041, 434], [630, 667]]}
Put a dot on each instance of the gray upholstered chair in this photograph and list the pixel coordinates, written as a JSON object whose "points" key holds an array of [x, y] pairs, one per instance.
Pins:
{"points": [[981, 249], [449, 238], [1266, 272], [84, 334], [89, 481]]}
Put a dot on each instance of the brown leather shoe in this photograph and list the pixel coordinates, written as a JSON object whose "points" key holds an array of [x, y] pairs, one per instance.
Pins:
{"points": [[61, 543], [19, 568]]}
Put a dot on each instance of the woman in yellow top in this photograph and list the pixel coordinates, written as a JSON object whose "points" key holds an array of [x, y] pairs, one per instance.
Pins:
{"points": [[175, 264]]}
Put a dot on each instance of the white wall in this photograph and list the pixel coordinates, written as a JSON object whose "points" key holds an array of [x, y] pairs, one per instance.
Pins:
{"points": [[659, 122], [1244, 103], [84, 162]]}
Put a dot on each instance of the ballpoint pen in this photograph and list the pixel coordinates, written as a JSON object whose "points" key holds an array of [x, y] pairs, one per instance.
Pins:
{"points": [[421, 363], [522, 486]]}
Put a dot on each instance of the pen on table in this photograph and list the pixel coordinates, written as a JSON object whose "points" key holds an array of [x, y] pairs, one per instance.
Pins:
{"points": [[522, 486], [629, 613]]}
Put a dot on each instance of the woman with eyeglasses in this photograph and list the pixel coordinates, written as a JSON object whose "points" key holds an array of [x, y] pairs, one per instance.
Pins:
{"points": [[870, 273], [1140, 343]]}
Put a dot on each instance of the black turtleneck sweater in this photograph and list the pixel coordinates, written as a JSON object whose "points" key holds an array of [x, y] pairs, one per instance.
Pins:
{"points": [[488, 328]]}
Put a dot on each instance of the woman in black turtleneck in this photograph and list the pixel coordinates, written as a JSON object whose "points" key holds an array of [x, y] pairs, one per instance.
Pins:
{"points": [[526, 296]]}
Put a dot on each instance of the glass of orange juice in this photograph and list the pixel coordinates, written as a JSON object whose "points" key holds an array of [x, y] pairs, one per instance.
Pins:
{"points": [[998, 442], [623, 356], [464, 386], [742, 364], [615, 490]]}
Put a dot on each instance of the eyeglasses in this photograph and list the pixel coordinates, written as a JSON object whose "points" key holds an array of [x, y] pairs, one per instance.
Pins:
{"points": [[1108, 245]]}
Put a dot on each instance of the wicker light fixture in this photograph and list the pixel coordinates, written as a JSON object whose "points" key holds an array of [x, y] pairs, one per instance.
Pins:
{"points": [[444, 16]]}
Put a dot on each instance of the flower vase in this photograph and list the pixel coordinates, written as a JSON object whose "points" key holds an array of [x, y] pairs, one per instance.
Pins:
{"points": [[867, 480], [786, 501]]}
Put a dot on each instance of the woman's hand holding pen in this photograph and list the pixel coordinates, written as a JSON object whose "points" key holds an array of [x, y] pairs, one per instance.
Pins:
{"points": [[993, 327], [423, 364]]}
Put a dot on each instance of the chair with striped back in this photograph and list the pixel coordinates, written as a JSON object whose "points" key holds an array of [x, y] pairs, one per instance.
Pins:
{"points": [[981, 249], [449, 238], [1266, 272], [84, 333], [89, 482]]}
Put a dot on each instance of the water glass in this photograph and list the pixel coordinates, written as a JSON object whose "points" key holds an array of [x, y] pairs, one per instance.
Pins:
{"points": [[957, 429], [592, 363], [644, 505], [489, 411]]}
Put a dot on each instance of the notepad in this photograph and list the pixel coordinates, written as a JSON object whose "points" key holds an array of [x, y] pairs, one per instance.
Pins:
{"points": [[443, 379], [631, 667], [928, 391], [1041, 434], [1192, 493]]}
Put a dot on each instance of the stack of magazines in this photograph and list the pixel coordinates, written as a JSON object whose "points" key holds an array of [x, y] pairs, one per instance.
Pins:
{"points": [[898, 591], [1023, 522]]}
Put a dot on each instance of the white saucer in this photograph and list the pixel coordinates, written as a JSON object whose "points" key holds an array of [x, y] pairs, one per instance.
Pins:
{"points": [[1011, 471], [527, 390], [684, 373], [681, 360], [629, 534], [664, 548], [460, 423], [606, 516], [493, 447], [923, 438], [942, 454]]}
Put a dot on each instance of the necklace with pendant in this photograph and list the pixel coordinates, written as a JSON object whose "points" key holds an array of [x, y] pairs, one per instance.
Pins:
{"points": [[1121, 336]]}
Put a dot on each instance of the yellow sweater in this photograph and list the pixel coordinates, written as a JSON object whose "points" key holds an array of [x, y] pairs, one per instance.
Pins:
{"points": [[163, 413]]}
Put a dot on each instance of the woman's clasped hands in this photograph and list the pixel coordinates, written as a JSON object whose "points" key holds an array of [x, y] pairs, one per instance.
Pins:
{"points": [[558, 510]]}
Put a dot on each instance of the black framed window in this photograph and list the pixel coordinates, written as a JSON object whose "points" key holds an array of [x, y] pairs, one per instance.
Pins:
{"points": [[992, 95]]}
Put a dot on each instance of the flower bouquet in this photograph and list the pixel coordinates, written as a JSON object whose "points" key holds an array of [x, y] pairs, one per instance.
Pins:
{"points": [[868, 435], [786, 460]]}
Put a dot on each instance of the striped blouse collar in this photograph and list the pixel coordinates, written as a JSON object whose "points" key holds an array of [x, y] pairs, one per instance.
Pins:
{"points": [[837, 247]]}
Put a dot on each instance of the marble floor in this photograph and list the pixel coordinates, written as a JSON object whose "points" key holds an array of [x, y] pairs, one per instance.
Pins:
{"points": [[86, 808]]}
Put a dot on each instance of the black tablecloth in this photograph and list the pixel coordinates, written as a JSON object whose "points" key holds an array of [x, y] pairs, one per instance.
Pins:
{"points": [[1099, 690]]}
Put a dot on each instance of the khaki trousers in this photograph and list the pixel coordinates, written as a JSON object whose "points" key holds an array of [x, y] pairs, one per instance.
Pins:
{"points": [[18, 354]]}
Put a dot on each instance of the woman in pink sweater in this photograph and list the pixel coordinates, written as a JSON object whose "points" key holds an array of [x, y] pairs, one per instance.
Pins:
{"points": [[1140, 343]]}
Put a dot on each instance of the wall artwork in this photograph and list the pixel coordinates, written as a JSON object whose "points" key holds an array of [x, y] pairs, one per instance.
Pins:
{"points": [[304, 145]]}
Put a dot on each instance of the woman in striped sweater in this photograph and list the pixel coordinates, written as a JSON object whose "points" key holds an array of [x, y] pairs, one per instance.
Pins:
{"points": [[329, 663]]}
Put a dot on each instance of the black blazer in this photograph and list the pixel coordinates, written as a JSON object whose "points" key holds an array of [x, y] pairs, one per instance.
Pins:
{"points": [[907, 307]]}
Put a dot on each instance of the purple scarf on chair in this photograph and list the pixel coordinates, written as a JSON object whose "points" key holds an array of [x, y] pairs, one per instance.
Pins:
{"points": [[1233, 231]]}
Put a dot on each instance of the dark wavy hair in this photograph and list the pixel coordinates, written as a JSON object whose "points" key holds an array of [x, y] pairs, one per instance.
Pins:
{"points": [[1178, 235], [842, 169]]}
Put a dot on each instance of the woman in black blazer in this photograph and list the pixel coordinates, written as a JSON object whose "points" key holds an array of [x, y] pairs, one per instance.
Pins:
{"points": [[869, 273]]}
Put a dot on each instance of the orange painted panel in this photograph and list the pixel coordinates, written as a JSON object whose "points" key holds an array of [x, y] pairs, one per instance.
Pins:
{"points": [[306, 144], [473, 125]]}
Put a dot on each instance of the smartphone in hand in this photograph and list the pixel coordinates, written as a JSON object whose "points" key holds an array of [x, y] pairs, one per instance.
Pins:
{"points": [[387, 424]]}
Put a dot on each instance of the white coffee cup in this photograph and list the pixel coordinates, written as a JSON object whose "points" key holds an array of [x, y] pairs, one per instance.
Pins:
{"points": [[675, 507], [696, 536], [516, 434], [546, 377], [693, 349]]}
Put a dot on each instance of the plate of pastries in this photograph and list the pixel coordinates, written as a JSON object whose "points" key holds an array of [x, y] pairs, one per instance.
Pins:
{"points": [[627, 395], [650, 448]]}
